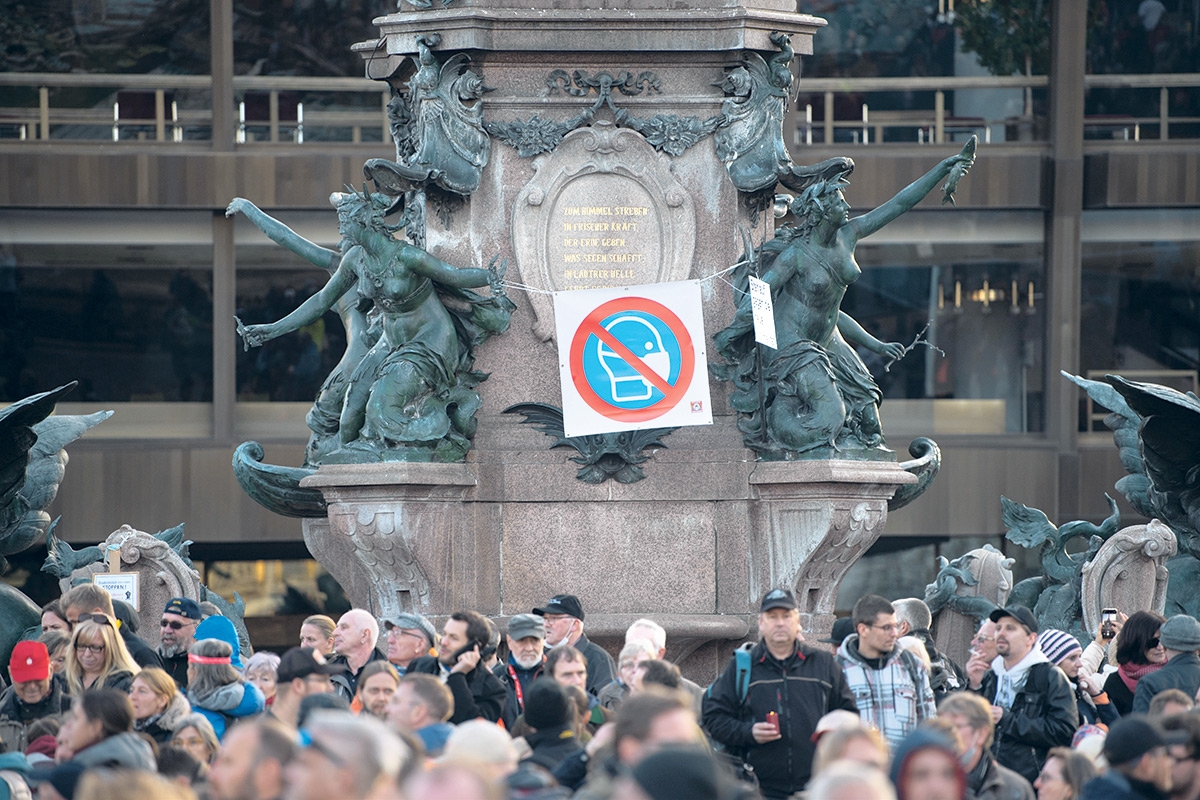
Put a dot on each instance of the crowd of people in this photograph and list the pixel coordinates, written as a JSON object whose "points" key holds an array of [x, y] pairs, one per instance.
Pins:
{"points": [[391, 708]]}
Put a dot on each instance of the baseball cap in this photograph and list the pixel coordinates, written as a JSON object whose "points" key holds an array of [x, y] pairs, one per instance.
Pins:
{"points": [[562, 604], [842, 627], [524, 625], [184, 607], [407, 621], [300, 662], [1020, 613], [1133, 736], [30, 662], [778, 598]]}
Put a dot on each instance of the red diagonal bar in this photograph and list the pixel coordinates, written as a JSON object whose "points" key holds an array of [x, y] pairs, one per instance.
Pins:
{"points": [[625, 353]]}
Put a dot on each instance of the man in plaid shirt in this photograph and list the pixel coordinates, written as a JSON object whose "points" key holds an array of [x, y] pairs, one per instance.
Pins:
{"points": [[890, 684]]}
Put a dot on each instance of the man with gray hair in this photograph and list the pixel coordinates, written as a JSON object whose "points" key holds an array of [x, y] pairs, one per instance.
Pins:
{"points": [[343, 756], [354, 642], [409, 636], [649, 631], [914, 619], [526, 640]]}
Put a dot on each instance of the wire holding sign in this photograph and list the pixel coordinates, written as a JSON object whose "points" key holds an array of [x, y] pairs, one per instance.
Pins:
{"points": [[629, 356]]}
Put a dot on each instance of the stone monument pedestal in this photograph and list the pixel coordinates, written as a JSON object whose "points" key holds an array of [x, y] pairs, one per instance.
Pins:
{"points": [[496, 538]]}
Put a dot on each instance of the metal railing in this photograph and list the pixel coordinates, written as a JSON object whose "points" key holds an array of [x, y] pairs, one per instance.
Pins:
{"points": [[182, 108]]}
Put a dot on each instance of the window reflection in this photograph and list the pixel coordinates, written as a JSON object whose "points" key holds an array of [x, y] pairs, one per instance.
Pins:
{"points": [[125, 335], [975, 343], [292, 367]]}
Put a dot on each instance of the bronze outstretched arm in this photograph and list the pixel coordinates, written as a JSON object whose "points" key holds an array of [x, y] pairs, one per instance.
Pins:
{"points": [[308, 312], [284, 236], [910, 195]]}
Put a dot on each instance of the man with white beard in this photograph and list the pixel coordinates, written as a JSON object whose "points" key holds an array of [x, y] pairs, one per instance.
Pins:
{"points": [[526, 654], [178, 623]]}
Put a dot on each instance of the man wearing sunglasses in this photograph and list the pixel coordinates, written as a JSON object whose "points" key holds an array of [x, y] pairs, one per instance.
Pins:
{"points": [[88, 598], [178, 633]]}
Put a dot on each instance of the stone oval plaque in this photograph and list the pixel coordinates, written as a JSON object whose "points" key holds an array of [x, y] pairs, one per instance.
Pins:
{"points": [[602, 210]]}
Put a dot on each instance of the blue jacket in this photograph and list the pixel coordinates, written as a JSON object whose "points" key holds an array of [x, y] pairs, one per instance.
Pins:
{"points": [[251, 703]]}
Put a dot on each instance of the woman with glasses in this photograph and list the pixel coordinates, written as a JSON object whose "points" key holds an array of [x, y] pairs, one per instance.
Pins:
{"points": [[1139, 653], [158, 705], [195, 734], [97, 658], [1063, 775]]}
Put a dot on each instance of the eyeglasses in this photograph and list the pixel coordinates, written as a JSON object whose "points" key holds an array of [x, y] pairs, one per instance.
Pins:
{"points": [[99, 619], [403, 632], [889, 628], [173, 624], [979, 637], [1153, 643], [91, 648]]}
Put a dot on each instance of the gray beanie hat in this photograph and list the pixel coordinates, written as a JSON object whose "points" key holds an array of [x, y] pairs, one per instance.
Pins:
{"points": [[1181, 632]]}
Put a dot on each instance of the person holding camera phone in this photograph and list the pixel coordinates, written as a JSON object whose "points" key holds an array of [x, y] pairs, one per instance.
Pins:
{"points": [[477, 692]]}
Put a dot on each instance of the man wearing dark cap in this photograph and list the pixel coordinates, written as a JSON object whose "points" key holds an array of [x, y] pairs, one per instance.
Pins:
{"points": [[564, 625], [842, 627], [302, 672], [1180, 637], [1138, 759], [1033, 703], [768, 717], [526, 657], [178, 633], [409, 636]]}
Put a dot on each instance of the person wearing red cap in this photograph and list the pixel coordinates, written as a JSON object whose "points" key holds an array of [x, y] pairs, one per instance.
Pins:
{"points": [[32, 696]]}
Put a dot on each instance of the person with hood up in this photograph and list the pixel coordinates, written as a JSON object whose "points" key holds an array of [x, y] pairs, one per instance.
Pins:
{"points": [[1032, 701], [548, 710], [925, 766], [98, 732], [216, 687]]}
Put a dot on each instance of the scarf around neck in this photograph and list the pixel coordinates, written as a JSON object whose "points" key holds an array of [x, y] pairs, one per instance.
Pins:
{"points": [[1131, 673]]}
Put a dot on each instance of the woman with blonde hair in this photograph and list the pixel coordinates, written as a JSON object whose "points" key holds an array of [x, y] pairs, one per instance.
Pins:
{"points": [[97, 658], [317, 632], [157, 704]]}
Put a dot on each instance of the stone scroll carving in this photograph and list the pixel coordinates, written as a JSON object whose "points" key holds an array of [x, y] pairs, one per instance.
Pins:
{"points": [[1129, 572], [965, 591], [603, 210]]}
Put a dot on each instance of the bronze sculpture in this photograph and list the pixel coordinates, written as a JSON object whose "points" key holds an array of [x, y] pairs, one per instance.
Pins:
{"points": [[410, 397], [813, 396]]}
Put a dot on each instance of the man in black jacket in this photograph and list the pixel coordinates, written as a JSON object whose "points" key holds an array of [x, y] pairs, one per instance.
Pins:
{"points": [[769, 717], [564, 625], [1032, 700], [477, 692]]}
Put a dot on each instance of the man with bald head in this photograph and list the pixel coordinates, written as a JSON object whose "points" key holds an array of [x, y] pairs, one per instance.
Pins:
{"points": [[354, 641]]}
